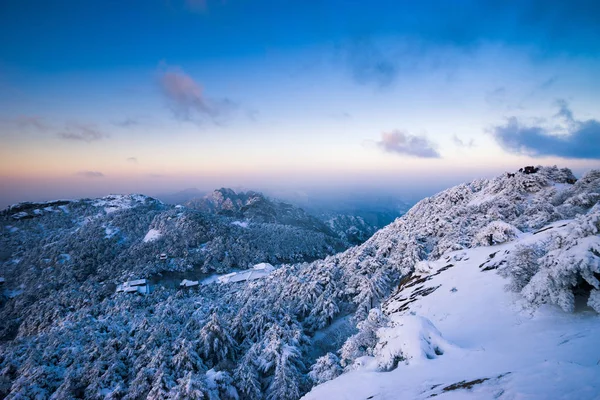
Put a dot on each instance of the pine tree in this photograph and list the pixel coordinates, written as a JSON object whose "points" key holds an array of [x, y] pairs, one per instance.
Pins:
{"points": [[216, 342], [246, 375], [325, 369], [191, 386]]}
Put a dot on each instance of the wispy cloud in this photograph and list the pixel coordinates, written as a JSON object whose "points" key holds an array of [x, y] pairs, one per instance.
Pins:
{"points": [[34, 122], [90, 174], [81, 132], [574, 139], [126, 123], [70, 131], [463, 143], [132, 160], [404, 143], [186, 98]]}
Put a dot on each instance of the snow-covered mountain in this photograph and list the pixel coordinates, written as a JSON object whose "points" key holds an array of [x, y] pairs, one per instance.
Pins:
{"points": [[255, 207], [306, 323]]}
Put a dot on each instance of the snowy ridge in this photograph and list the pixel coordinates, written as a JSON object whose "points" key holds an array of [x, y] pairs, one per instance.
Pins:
{"points": [[119, 202]]}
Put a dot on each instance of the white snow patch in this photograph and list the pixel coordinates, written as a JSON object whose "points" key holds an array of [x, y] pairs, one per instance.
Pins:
{"points": [[110, 231], [20, 215], [152, 235], [409, 339], [242, 224]]}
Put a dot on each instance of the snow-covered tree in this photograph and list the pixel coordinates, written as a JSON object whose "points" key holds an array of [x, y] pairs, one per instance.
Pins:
{"points": [[326, 368], [572, 258], [496, 232], [246, 376], [362, 343], [287, 379], [186, 359], [191, 386], [521, 265], [215, 341]]}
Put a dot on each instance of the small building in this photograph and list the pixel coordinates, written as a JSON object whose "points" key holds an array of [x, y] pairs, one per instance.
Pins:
{"points": [[264, 267], [163, 257], [186, 283], [134, 286], [227, 277], [256, 272]]}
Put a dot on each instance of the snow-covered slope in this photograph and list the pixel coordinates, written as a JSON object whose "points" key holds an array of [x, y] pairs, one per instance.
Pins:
{"points": [[453, 331]]}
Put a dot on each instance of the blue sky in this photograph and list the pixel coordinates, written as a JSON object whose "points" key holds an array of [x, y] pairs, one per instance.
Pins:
{"points": [[159, 95]]}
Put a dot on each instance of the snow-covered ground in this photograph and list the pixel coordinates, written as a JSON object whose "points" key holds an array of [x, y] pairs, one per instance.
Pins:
{"points": [[462, 335], [241, 224], [117, 202], [152, 235]]}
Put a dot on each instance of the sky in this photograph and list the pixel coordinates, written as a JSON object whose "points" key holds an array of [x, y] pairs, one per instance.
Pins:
{"points": [[291, 97]]}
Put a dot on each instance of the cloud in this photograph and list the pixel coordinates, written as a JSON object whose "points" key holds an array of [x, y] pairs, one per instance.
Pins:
{"points": [[90, 174], [461, 143], [578, 139], [132, 160], [369, 65], [81, 132], [186, 98], [565, 112], [126, 123], [37, 123], [405, 143]]}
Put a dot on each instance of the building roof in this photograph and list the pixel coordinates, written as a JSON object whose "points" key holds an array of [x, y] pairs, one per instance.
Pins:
{"points": [[188, 283]]}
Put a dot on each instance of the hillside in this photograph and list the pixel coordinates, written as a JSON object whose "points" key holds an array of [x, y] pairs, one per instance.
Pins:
{"points": [[351, 227], [452, 330], [86, 247], [305, 323]]}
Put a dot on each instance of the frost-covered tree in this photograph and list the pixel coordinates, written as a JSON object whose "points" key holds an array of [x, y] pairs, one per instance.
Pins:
{"points": [[215, 341], [363, 342], [521, 265], [287, 379], [326, 368], [246, 375], [186, 359], [496, 232], [191, 386], [220, 385], [572, 258]]}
